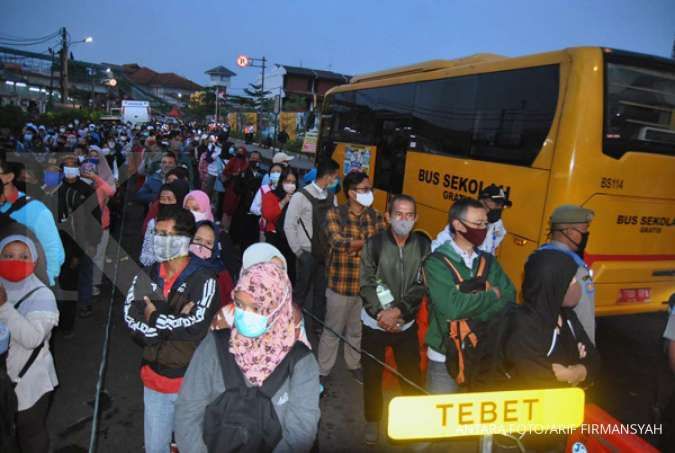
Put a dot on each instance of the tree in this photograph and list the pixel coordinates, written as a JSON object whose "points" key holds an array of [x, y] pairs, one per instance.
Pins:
{"points": [[295, 103], [261, 100]]}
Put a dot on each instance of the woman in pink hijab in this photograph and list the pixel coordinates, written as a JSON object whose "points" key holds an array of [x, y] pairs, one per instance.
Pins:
{"points": [[262, 338], [199, 204]]}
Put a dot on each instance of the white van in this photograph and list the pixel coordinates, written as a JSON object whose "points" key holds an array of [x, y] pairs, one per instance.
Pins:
{"points": [[135, 112]]}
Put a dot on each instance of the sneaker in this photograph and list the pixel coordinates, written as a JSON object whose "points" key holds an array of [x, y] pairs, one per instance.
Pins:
{"points": [[96, 291], [86, 311], [371, 433], [357, 375]]}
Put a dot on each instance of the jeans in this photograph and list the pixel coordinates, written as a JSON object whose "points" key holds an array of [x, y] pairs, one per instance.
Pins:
{"points": [[406, 352], [99, 259], [158, 420], [438, 379], [85, 269], [31, 426]]}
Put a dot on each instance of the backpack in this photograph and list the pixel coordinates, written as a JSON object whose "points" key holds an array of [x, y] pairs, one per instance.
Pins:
{"points": [[319, 237], [243, 419], [473, 348]]}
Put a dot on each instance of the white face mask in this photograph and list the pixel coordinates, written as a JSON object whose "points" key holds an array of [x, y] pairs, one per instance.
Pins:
{"points": [[71, 172], [199, 216], [365, 199], [168, 248], [274, 178], [289, 187]]}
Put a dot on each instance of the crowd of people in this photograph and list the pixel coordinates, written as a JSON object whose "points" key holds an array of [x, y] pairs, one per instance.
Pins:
{"points": [[243, 281]]}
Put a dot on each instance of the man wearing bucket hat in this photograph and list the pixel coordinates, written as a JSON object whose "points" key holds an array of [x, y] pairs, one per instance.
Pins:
{"points": [[569, 234]]}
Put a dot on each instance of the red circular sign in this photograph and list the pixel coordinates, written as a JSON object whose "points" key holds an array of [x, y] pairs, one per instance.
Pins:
{"points": [[242, 61]]}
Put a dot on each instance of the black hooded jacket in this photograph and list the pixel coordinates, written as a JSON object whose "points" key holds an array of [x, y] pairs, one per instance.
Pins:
{"points": [[535, 343]]}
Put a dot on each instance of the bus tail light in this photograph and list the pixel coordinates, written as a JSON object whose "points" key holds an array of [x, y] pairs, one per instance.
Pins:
{"points": [[634, 295]]}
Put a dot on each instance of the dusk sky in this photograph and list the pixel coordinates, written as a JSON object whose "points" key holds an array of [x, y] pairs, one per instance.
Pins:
{"points": [[189, 37]]}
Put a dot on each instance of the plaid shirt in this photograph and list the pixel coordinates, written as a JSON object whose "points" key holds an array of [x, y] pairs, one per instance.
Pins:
{"points": [[344, 265]]}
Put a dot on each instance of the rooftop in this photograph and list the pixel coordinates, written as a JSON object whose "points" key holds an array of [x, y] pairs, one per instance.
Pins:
{"points": [[220, 70]]}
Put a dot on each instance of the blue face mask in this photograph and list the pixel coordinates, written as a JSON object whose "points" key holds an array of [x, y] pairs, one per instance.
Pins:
{"points": [[93, 160], [334, 185], [52, 178], [249, 324]]}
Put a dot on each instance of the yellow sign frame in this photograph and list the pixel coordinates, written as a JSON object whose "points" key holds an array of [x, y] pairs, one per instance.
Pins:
{"points": [[478, 414]]}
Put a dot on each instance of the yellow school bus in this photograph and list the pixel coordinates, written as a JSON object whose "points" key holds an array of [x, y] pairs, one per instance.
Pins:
{"points": [[589, 126]]}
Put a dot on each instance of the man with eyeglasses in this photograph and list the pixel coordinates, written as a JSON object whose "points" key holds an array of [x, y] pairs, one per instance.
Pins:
{"points": [[348, 227], [456, 294], [392, 290]]}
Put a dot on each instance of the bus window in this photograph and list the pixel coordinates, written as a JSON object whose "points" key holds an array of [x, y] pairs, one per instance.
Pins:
{"points": [[353, 122], [391, 149], [639, 109], [444, 115], [513, 114]]}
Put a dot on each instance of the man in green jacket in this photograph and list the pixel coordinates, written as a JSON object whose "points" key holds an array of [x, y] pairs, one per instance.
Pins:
{"points": [[391, 289], [468, 223]]}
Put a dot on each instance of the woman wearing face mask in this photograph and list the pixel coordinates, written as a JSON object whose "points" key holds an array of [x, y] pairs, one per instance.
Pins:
{"points": [[219, 186], [28, 309], [256, 205], [274, 206], [548, 347], [171, 194], [205, 246], [262, 336], [199, 204], [104, 192]]}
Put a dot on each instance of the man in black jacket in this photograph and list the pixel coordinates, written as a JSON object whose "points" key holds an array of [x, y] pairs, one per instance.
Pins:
{"points": [[79, 218], [169, 309], [392, 291]]}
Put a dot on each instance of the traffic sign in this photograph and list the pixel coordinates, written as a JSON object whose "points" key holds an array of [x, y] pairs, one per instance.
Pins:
{"points": [[243, 61], [478, 414]]}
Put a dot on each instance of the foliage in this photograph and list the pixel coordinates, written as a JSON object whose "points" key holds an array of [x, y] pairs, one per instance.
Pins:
{"points": [[260, 98], [15, 118], [295, 103]]}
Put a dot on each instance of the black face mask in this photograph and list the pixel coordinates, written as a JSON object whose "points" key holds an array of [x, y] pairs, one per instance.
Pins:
{"points": [[581, 245], [494, 215]]}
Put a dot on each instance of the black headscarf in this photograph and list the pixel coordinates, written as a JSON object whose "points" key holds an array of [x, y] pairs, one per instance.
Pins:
{"points": [[548, 274], [179, 188]]}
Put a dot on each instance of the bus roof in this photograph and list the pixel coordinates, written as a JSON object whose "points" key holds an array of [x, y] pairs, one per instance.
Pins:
{"points": [[426, 66]]}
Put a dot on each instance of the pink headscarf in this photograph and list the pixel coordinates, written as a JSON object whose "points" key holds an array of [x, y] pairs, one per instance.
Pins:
{"points": [[202, 200], [270, 287]]}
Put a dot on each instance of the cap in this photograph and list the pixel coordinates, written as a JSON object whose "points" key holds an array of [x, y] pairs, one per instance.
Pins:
{"points": [[569, 213], [280, 158], [494, 192]]}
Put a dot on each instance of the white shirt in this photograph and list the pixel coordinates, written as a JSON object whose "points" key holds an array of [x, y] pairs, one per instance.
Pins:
{"points": [[256, 205], [495, 235]]}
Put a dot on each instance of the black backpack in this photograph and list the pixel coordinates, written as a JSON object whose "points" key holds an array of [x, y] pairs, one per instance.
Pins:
{"points": [[242, 418], [319, 239]]}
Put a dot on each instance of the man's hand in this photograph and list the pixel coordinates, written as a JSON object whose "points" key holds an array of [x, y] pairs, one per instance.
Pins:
{"points": [[356, 245], [582, 350], [573, 374], [389, 319], [3, 296], [187, 308], [219, 322], [149, 308]]}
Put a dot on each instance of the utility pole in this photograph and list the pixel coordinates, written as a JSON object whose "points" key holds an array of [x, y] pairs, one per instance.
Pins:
{"points": [[244, 61], [216, 93], [64, 66], [50, 104]]}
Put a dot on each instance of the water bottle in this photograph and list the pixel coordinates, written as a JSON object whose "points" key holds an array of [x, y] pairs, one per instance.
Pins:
{"points": [[384, 295]]}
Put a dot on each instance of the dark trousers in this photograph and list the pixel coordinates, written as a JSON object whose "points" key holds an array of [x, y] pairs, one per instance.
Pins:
{"points": [[310, 275], [407, 355], [279, 242], [31, 427]]}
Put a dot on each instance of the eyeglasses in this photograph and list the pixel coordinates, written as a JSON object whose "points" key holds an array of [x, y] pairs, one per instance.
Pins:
{"points": [[477, 224]]}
